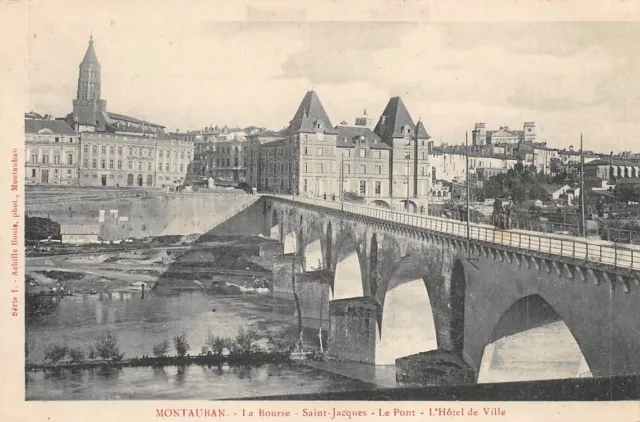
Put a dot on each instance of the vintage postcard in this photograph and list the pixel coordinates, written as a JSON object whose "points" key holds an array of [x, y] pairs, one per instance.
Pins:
{"points": [[278, 210]]}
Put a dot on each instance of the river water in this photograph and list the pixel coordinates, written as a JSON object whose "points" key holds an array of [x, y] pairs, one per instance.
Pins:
{"points": [[545, 352], [140, 323]]}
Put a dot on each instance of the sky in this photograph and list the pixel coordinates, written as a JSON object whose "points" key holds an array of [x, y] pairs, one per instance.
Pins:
{"points": [[191, 67]]}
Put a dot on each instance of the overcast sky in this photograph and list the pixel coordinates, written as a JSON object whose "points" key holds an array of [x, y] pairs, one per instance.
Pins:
{"points": [[186, 70]]}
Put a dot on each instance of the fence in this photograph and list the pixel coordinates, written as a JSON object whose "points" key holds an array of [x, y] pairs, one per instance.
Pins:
{"points": [[598, 251]]}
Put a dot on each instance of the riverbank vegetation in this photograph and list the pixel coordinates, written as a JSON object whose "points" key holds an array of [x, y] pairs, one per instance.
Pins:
{"points": [[243, 349]]}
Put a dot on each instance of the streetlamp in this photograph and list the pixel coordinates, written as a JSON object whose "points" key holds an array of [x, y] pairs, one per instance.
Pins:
{"points": [[408, 156]]}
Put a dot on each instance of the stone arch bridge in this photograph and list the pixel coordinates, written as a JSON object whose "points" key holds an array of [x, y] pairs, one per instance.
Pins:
{"points": [[478, 288]]}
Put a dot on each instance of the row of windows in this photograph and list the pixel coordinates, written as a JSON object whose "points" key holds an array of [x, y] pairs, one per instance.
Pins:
{"points": [[55, 172], [141, 152], [56, 159], [140, 165]]}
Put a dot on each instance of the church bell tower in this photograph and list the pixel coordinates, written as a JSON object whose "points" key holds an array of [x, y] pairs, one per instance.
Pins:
{"points": [[88, 108]]}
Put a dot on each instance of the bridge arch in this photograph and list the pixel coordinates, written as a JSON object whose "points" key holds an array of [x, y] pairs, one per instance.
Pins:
{"points": [[313, 255], [531, 341], [348, 280]]}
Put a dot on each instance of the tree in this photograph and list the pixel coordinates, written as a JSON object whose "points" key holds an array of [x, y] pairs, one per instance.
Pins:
{"points": [[38, 228], [107, 346], [55, 352], [181, 345], [160, 349]]}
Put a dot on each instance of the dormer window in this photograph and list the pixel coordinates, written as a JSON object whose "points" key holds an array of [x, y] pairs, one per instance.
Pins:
{"points": [[319, 125]]}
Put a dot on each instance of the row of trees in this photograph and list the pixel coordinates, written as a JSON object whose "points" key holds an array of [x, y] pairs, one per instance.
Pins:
{"points": [[520, 184], [106, 347]]}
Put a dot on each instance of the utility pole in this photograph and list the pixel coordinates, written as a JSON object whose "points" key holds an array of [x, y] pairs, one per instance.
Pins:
{"points": [[341, 187], [408, 179], [466, 144], [582, 192]]}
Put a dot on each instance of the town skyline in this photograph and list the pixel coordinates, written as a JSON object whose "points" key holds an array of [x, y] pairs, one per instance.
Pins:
{"points": [[242, 74]]}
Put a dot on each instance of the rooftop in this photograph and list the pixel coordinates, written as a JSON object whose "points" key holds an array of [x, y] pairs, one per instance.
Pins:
{"points": [[350, 136], [55, 126]]}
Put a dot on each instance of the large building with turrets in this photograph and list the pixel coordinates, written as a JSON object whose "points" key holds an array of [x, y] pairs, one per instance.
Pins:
{"points": [[386, 165]]}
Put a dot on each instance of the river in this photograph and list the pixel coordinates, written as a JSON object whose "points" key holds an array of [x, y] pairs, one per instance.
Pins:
{"points": [[140, 323]]}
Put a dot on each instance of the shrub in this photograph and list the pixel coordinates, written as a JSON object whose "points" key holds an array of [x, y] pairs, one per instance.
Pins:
{"points": [[107, 346], [217, 344], [76, 354], [55, 352], [245, 342], [181, 345], [160, 349]]}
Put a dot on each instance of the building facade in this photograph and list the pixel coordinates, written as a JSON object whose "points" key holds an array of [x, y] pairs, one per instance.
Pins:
{"points": [[387, 166], [52, 152], [481, 136], [253, 150]]}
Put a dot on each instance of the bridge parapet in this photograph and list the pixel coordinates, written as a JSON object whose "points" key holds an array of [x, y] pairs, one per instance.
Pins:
{"points": [[576, 257]]}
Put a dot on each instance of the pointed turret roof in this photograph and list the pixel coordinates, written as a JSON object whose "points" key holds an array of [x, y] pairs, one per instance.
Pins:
{"points": [[422, 131], [310, 116], [90, 56], [394, 117]]}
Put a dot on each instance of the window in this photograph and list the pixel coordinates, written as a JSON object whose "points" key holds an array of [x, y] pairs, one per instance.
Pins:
{"points": [[422, 172], [57, 139], [181, 167], [188, 156], [33, 173], [45, 159], [95, 149], [130, 165], [166, 167], [94, 163], [363, 169], [85, 163], [407, 155], [68, 172], [228, 162], [149, 166], [130, 152], [217, 162], [319, 168], [378, 188], [111, 150], [347, 153], [56, 159], [70, 159], [95, 176], [347, 168], [139, 166], [378, 169], [119, 165], [103, 164], [319, 152], [182, 154], [304, 185], [119, 150], [34, 159], [363, 187], [111, 164], [306, 168], [86, 149], [362, 153], [160, 153], [159, 166], [103, 150], [55, 172]]}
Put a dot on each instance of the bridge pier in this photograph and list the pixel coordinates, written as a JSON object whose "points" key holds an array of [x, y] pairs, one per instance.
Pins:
{"points": [[314, 294], [283, 266], [353, 331]]}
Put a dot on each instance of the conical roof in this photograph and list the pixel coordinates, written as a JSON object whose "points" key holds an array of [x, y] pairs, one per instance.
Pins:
{"points": [[422, 131], [311, 116], [394, 117], [90, 56]]}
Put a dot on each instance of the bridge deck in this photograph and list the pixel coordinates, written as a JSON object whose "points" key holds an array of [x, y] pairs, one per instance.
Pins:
{"points": [[597, 251]]}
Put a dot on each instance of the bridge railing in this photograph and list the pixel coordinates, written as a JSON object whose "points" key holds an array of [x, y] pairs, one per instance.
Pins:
{"points": [[600, 251]]}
